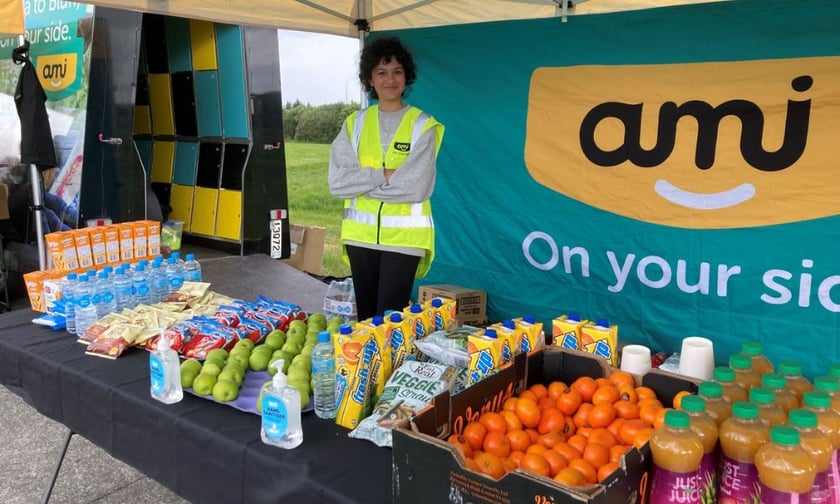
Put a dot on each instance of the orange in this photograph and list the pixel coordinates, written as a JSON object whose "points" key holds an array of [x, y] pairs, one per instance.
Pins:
{"points": [[649, 402], [546, 402], [584, 431], [510, 404], [474, 433], [586, 385], [472, 465], [626, 409], [582, 414], [606, 470], [536, 449], [555, 460], [518, 439], [556, 389], [568, 451], [622, 377], [539, 390], [659, 420], [490, 465], [533, 434], [606, 394], [602, 382], [601, 415], [552, 419], [497, 444], [602, 437], [629, 429], [529, 395], [642, 437], [528, 411], [677, 402], [596, 454], [569, 402], [570, 427], [645, 393], [627, 393], [550, 439], [617, 451], [516, 456], [615, 426], [461, 444], [494, 422], [570, 477], [590, 473], [512, 421], [578, 442], [536, 464], [510, 464], [648, 413]]}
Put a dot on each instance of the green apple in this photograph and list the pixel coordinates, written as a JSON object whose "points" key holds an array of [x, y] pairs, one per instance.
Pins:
{"points": [[203, 384], [299, 374], [302, 361], [275, 339], [311, 338], [259, 361], [188, 377], [225, 391], [219, 353], [215, 360], [230, 375], [238, 359], [263, 349], [318, 320], [292, 347], [307, 349], [244, 343], [191, 364], [211, 368], [297, 326]]}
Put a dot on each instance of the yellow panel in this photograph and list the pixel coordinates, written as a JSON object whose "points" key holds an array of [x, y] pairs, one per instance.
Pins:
{"points": [[160, 98], [203, 42], [162, 156], [181, 201], [229, 220], [142, 120], [204, 211]]}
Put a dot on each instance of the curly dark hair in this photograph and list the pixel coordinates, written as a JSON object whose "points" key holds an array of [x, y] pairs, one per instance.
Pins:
{"points": [[385, 49]]}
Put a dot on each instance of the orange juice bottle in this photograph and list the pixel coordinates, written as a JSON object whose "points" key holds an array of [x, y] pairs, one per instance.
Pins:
{"points": [[745, 375], [778, 384], [820, 449], [792, 370], [677, 452], [830, 386], [828, 422], [707, 428], [732, 392], [768, 410], [741, 436], [786, 471], [717, 406], [755, 352]]}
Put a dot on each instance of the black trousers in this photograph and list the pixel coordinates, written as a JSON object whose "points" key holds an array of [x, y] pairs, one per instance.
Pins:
{"points": [[382, 280]]}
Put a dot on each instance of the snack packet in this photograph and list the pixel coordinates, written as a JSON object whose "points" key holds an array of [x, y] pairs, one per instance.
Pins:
{"points": [[114, 341], [448, 346], [96, 329]]}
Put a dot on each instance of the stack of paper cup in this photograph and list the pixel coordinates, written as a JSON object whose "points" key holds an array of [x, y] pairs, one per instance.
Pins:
{"points": [[635, 359], [697, 357]]}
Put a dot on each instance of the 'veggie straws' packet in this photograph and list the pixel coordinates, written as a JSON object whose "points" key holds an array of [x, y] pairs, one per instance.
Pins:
{"points": [[530, 333], [354, 353], [565, 330], [441, 314], [601, 339], [485, 354]]}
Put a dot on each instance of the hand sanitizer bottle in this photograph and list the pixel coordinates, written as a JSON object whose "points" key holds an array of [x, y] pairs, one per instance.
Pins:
{"points": [[165, 372], [281, 412]]}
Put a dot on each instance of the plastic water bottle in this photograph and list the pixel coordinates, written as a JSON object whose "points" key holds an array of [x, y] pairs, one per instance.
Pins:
{"points": [[174, 274], [165, 373], [158, 282], [85, 310], [177, 256], [140, 291], [105, 287], [96, 296], [192, 270], [323, 376], [122, 289], [69, 290]]}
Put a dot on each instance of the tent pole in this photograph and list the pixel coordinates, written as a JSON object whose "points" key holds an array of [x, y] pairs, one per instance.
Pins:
{"points": [[36, 184], [362, 15]]}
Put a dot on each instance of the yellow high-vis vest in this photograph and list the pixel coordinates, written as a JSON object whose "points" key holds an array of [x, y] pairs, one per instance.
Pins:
{"points": [[369, 220]]}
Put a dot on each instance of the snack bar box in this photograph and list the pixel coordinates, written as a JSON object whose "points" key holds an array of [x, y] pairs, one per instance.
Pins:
{"points": [[428, 469]]}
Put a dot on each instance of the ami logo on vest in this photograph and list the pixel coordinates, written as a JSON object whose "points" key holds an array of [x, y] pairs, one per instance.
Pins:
{"points": [[402, 146], [703, 145]]}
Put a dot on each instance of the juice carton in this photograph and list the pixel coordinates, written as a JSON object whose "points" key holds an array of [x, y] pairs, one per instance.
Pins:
{"points": [[381, 365], [97, 245], [529, 333], [152, 237], [402, 345], [354, 354], [506, 331], [485, 354], [84, 253], [34, 281], [126, 241], [419, 324], [441, 313], [565, 330], [600, 338], [112, 244], [62, 249], [139, 231]]}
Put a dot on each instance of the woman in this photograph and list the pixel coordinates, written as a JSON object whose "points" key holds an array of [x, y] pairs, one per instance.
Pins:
{"points": [[383, 164]]}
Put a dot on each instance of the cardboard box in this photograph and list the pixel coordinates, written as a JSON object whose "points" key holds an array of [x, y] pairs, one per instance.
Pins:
{"points": [[428, 469], [84, 252], [126, 241], [112, 244], [471, 304], [62, 250], [34, 281], [153, 237], [97, 245], [307, 244], [140, 231], [4, 201]]}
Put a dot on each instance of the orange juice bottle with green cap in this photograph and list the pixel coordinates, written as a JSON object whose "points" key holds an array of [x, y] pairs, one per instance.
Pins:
{"points": [[755, 352], [717, 406], [778, 384], [828, 422], [741, 436], [704, 426], [831, 386], [732, 392], [677, 451], [834, 370], [768, 410], [820, 449], [792, 370], [745, 375], [786, 471]]}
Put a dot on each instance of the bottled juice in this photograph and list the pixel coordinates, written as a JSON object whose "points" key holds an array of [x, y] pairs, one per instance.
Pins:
{"points": [[820, 449], [786, 471], [778, 384], [716, 406], [768, 410], [732, 392], [677, 452], [830, 386], [792, 370], [828, 422], [707, 428], [745, 375], [755, 352], [741, 436]]}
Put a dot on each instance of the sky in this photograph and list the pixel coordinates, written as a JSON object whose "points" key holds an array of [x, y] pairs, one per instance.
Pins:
{"points": [[318, 69]]}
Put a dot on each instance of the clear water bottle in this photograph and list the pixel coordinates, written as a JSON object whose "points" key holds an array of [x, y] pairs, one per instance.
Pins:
{"points": [[69, 290], [158, 282], [323, 376], [96, 296], [141, 293], [177, 256], [85, 310], [174, 274], [105, 287], [122, 289], [192, 270]]}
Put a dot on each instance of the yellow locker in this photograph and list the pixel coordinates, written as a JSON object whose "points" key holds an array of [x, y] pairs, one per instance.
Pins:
{"points": [[203, 43], [204, 211], [142, 120], [162, 160], [160, 98], [229, 220], [181, 201]]}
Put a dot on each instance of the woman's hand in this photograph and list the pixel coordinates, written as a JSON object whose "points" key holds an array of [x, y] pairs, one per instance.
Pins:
{"points": [[388, 172]]}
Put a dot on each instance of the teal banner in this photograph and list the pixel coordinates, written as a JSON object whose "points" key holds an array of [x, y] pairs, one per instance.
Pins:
{"points": [[672, 170]]}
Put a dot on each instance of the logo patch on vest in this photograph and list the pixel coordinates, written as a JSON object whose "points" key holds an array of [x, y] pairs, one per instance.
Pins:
{"points": [[402, 146]]}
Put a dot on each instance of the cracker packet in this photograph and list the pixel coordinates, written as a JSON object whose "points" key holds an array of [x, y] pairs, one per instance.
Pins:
{"points": [[114, 341], [95, 329]]}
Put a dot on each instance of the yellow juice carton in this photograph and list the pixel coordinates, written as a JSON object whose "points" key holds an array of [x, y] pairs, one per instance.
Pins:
{"points": [[529, 333], [354, 353], [600, 338], [139, 231], [441, 313], [419, 325], [506, 331], [34, 281], [112, 244], [152, 237], [485, 354], [126, 241], [97, 245], [84, 253], [398, 333], [381, 366], [565, 330], [62, 250]]}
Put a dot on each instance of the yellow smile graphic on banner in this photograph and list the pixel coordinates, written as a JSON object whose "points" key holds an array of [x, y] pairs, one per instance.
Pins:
{"points": [[705, 145], [57, 71]]}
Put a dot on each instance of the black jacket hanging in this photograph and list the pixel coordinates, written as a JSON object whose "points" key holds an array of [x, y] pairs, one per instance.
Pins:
{"points": [[36, 141]]}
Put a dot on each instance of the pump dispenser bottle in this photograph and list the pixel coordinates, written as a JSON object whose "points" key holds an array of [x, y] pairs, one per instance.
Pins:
{"points": [[281, 412]]}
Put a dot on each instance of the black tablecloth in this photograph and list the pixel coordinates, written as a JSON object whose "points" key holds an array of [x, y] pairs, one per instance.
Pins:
{"points": [[204, 451]]}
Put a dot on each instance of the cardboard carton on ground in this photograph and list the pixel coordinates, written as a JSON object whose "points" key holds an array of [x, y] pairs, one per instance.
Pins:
{"points": [[428, 469], [4, 201], [470, 304], [307, 244]]}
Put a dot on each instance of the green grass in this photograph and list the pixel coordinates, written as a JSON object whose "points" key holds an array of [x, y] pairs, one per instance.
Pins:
{"points": [[310, 201]]}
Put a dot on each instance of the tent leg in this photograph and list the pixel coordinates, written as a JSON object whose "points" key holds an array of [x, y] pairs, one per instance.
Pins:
{"points": [[36, 183], [57, 467]]}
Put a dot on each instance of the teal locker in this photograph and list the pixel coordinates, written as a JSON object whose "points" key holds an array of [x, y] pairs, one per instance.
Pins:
{"points": [[207, 104], [178, 44], [232, 83], [186, 154], [144, 150]]}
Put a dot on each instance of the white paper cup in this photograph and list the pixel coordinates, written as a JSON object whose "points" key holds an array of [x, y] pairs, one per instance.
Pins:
{"points": [[697, 357], [635, 359]]}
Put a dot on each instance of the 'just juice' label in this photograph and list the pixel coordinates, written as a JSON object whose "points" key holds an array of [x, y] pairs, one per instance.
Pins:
{"points": [[770, 496], [669, 487], [821, 490], [708, 477], [739, 482]]}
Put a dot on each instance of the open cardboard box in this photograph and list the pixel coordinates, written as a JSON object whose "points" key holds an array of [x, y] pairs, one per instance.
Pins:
{"points": [[307, 248], [428, 469]]}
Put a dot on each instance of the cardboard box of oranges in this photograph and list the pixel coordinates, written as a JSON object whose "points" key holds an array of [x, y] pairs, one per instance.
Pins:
{"points": [[429, 458]]}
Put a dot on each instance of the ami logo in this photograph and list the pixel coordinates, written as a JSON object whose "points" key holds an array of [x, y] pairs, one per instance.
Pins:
{"points": [[702, 145]]}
